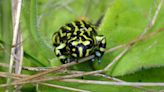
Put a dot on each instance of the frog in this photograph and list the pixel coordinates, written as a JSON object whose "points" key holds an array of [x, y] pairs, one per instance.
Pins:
{"points": [[78, 39]]}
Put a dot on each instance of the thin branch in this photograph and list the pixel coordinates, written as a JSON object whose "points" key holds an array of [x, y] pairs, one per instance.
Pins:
{"points": [[37, 69], [13, 75], [17, 51], [116, 59], [152, 22], [130, 44], [109, 78], [113, 83], [118, 80], [15, 33], [115, 48], [64, 87], [49, 79], [19, 54], [16, 10], [18, 76], [148, 27], [56, 69], [140, 37]]}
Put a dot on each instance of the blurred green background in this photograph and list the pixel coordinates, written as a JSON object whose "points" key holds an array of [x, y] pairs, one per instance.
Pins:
{"points": [[123, 21]]}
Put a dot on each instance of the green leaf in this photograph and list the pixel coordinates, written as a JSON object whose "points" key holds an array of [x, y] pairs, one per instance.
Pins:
{"points": [[124, 21], [146, 54]]}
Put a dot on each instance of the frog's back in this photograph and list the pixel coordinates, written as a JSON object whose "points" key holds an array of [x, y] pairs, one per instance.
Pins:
{"points": [[72, 29]]}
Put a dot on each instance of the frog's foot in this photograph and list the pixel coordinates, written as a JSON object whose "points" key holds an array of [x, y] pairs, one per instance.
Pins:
{"points": [[98, 55]]}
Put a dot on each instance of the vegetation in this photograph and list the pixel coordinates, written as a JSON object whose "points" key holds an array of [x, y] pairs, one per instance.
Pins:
{"points": [[133, 61]]}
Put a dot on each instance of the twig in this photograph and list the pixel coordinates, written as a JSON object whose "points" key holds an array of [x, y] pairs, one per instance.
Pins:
{"points": [[116, 59], [140, 37], [118, 80], [129, 45], [152, 22], [106, 77], [48, 79], [18, 76], [13, 75], [38, 69], [64, 87], [15, 33], [57, 68], [113, 83], [18, 55], [2, 74], [16, 9], [115, 48]]}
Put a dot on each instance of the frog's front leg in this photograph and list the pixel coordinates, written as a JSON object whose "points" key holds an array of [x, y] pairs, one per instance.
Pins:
{"points": [[60, 52], [101, 43]]}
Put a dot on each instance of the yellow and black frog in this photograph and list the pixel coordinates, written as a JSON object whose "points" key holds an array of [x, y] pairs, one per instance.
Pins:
{"points": [[76, 40]]}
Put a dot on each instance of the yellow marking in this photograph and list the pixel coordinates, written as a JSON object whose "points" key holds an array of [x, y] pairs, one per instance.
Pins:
{"points": [[82, 24], [54, 37], [76, 28], [86, 43], [75, 55], [99, 38], [61, 46], [73, 49], [68, 34], [89, 31], [87, 52], [57, 52], [72, 39], [102, 49], [62, 57], [94, 40], [57, 38], [67, 27], [62, 34], [103, 41], [75, 43], [82, 31], [87, 38], [80, 51]]}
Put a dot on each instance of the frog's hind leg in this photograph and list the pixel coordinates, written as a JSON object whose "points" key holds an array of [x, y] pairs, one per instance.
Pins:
{"points": [[60, 53]]}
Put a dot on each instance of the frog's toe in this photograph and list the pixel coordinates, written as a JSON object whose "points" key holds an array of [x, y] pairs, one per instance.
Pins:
{"points": [[92, 59], [98, 54], [99, 60]]}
